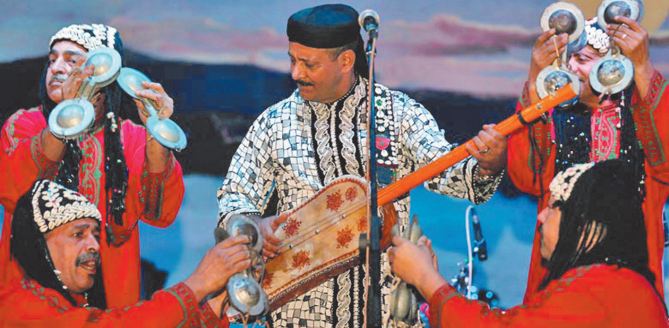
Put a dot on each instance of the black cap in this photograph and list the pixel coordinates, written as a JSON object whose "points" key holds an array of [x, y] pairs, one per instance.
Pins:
{"points": [[325, 26]]}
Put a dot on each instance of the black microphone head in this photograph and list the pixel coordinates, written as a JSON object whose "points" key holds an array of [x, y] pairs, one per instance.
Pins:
{"points": [[482, 251], [369, 20]]}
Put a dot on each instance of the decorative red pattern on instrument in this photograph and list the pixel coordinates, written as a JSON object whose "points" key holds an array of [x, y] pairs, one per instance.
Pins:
{"points": [[301, 259], [334, 201], [291, 227], [344, 237], [351, 193], [267, 280], [362, 223]]}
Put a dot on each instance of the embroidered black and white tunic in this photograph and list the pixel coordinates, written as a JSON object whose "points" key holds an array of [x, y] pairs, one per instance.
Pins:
{"points": [[296, 147]]}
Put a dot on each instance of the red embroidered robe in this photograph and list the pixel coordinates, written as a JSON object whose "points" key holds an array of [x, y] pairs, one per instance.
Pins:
{"points": [[651, 118], [153, 198], [26, 303], [589, 296]]}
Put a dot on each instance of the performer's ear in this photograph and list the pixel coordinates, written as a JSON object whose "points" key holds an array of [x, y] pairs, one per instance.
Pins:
{"points": [[347, 60]]}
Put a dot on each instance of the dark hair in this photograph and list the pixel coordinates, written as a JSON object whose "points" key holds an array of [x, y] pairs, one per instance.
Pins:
{"points": [[573, 138], [116, 170], [360, 67], [28, 246], [602, 222]]}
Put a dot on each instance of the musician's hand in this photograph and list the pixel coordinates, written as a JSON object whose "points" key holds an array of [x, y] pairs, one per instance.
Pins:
{"points": [[543, 52], [154, 91], [489, 149], [427, 244], [217, 266], [76, 77], [632, 39], [271, 243], [414, 264]]}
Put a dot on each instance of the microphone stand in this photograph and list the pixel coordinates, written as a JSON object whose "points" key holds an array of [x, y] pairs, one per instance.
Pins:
{"points": [[373, 304]]}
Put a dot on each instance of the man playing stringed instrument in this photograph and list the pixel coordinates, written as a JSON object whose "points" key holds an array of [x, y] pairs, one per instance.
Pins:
{"points": [[319, 133]]}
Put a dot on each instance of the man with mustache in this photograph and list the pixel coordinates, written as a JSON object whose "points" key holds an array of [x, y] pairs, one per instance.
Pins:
{"points": [[55, 239], [632, 125], [593, 242], [319, 133], [116, 164]]}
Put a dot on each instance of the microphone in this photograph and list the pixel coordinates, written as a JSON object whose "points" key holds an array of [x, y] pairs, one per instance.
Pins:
{"points": [[369, 20], [480, 246]]}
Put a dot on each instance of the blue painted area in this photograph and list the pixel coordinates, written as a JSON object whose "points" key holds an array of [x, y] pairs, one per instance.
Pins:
{"points": [[507, 226]]}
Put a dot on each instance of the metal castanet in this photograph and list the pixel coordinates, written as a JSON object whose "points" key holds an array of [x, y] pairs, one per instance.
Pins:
{"points": [[564, 17], [320, 238], [73, 117], [165, 131], [614, 72], [246, 296]]}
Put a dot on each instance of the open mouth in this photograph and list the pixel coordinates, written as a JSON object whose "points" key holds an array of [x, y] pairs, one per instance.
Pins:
{"points": [[90, 266]]}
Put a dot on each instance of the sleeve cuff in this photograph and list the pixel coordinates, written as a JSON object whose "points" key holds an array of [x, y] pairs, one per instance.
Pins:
{"points": [[47, 168], [151, 193], [650, 100], [210, 319], [437, 302], [188, 303]]}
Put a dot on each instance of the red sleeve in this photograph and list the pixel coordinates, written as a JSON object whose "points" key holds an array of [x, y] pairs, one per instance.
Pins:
{"points": [[524, 166], [34, 307], [209, 319], [21, 159], [563, 309], [589, 296], [153, 197], [651, 117]]}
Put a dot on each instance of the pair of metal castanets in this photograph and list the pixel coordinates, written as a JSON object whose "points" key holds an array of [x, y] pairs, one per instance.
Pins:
{"points": [[613, 73], [73, 117]]}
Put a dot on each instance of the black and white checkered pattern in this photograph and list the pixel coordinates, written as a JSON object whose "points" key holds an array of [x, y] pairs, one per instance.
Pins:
{"points": [[296, 147]]}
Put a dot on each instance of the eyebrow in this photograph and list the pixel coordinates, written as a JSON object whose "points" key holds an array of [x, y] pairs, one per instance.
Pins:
{"points": [[67, 53], [298, 58], [86, 225]]}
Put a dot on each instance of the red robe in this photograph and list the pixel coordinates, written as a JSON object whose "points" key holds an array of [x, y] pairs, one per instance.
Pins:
{"points": [[26, 303], [651, 118], [589, 296], [152, 198]]}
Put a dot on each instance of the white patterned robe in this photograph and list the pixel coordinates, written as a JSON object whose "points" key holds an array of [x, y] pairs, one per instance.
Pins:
{"points": [[296, 147]]}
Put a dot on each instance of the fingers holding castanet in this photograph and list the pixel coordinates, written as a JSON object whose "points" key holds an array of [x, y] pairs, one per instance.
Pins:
{"points": [[271, 242], [155, 92], [74, 81], [546, 50]]}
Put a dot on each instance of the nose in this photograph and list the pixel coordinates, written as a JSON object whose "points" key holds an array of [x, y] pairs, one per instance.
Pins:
{"points": [[58, 66], [295, 72], [571, 64], [92, 244]]}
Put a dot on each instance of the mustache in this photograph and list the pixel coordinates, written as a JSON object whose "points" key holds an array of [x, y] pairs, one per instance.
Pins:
{"points": [[303, 83], [59, 78], [86, 257]]}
